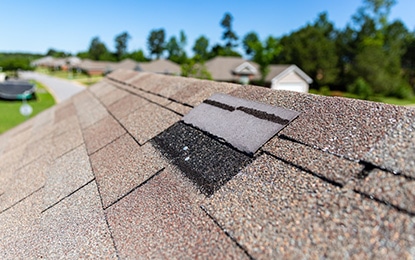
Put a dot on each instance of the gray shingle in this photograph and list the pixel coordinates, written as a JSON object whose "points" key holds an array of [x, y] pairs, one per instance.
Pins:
{"points": [[246, 125]]}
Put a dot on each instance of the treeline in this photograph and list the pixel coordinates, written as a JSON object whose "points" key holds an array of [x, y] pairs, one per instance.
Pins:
{"points": [[371, 56], [16, 61]]}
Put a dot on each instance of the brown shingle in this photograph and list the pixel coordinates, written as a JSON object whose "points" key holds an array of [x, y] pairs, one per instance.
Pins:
{"points": [[102, 133], [148, 121], [337, 182], [162, 220], [277, 211], [76, 228], [324, 165], [23, 182], [66, 175], [126, 105], [333, 124], [394, 190], [122, 166]]}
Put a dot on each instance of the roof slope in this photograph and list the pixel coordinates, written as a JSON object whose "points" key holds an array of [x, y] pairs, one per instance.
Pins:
{"points": [[96, 176]]}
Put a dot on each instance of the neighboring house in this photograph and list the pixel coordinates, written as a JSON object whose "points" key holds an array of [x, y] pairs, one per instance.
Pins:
{"points": [[232, 69], [95, 68], [103, 67], [236, 69], [288, 77], [160, 66], [56, 63], [42, 62]]}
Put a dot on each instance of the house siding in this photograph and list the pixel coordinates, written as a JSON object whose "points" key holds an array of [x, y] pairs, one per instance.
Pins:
{"points": [[292, 81]]}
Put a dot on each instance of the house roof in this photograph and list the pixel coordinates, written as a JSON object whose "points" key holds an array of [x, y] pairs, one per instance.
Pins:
{"points": [[156, 66], [54, 62], [223, 68], [160, 66], [89, 65], [277, 72], [115, 172]]}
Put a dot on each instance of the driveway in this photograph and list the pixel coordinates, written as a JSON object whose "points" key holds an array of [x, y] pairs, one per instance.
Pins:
{"points": [[60, 89]]}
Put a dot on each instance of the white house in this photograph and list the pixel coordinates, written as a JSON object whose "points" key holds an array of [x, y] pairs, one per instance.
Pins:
{"points": [[288, 77]]}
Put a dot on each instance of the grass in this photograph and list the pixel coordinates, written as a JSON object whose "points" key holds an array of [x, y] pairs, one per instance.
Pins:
{"points": [[397, 101], [80, 78], [9, 110]]}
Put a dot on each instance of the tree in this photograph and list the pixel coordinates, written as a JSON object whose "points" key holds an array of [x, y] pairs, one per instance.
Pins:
{"points": [[121, 43], [57, 54], [219, 50], [201, 48], [138, 55], [262, 53], [156, 42], [97, 49], [408, 59], [195, 69], [229, 36], [380, 49], [313, 49], [176, 50]]}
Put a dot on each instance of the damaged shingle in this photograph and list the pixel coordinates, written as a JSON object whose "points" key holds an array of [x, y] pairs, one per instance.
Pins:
{"points": [[246, 125]]}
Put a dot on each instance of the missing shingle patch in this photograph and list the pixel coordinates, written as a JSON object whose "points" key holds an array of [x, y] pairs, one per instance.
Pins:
{"points": [[206, 161], [244, 124]]}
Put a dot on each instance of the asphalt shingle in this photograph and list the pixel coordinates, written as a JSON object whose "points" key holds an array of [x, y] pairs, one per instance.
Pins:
{"points": [[392, 189], [76, 228], [337, 125], [162, 220], [207, 162], [328, 166], [396, 151], [102, 133], [123, 165], [16, 186], [277, 211], [237, 121], [148, 121], [105, 174], [66, 175], [126, 105]]}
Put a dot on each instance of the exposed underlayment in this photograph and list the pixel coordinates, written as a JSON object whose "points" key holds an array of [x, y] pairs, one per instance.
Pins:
{"points": [[206, 161], [115, 172]]}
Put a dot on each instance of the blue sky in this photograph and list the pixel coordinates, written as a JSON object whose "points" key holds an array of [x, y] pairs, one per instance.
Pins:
{"points": [[37, 25]]}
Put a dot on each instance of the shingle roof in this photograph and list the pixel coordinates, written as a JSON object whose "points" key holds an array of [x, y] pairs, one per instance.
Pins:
{"points": [[160, 66], [111, 173], [222, 68]]}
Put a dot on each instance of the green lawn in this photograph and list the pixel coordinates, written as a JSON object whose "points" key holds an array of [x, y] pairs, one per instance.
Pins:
{"points": [[9, 110]]}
